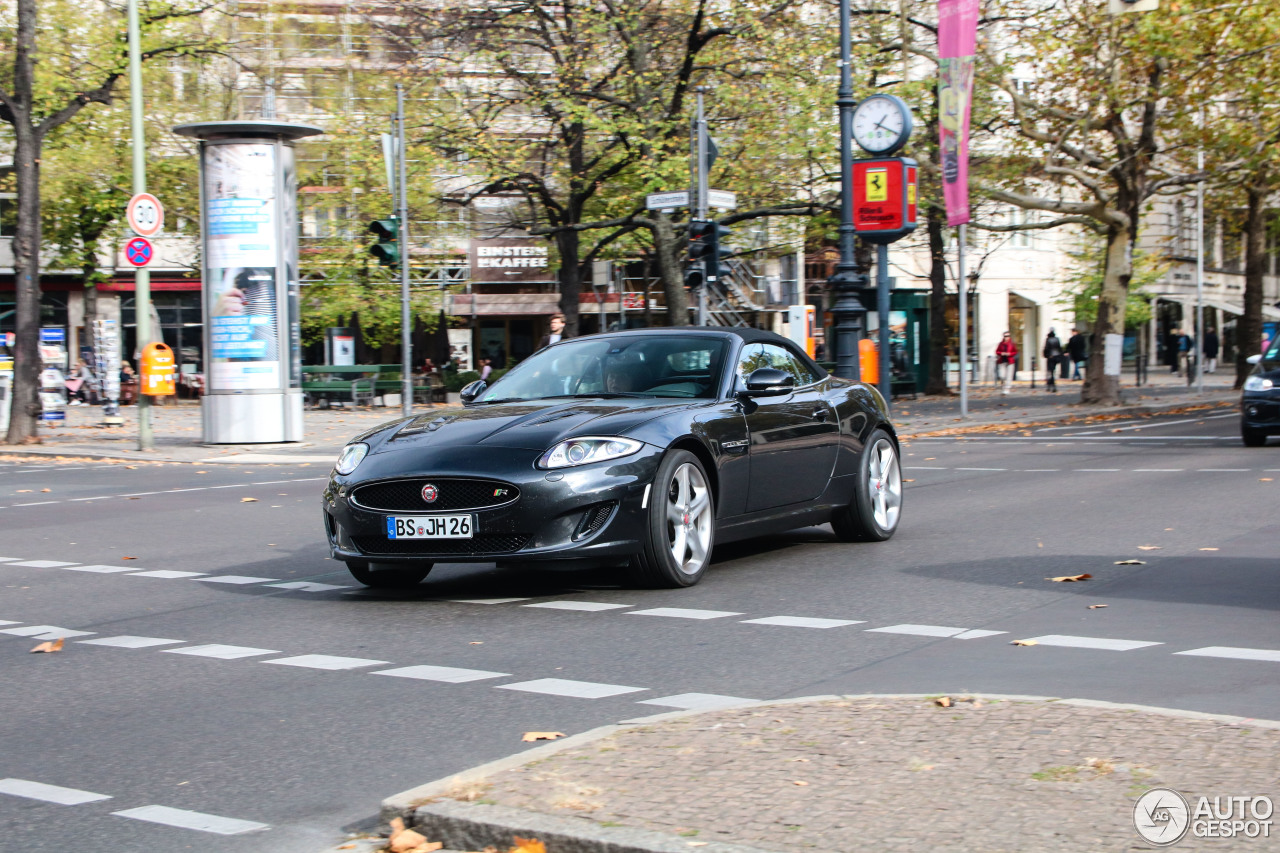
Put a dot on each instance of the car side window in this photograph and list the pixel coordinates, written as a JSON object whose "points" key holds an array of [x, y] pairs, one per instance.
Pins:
{"points": [[753, 357], [782, 359]]}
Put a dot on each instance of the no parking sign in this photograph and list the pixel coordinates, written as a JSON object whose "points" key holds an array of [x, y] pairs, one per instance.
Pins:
{"points": [[138, 251]]}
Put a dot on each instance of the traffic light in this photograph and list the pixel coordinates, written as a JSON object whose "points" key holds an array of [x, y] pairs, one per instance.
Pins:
{"points": [[387, 249], [704, 247]]}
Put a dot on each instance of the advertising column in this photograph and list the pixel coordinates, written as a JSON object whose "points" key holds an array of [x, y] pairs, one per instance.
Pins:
{"points": [[249, 224]]}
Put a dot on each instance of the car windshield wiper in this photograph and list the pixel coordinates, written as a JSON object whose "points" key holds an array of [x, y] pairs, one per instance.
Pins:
{"points": [[602, 395], [504, 400]]}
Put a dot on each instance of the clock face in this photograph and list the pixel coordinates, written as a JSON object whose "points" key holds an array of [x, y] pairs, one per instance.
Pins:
{"points": [[881, 124]]}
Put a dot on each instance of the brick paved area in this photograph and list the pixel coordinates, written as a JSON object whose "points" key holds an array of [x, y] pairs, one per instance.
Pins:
{"points": [[901, 774]]}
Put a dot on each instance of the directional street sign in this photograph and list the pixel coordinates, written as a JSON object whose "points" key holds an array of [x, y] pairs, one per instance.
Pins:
{"points": [[667, 201], [145, 215], [138, 251], [722, 199]]}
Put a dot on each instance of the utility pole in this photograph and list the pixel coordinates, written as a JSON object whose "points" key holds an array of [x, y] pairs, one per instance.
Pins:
{"points": [[1197, 345], [849, 279], [141, 275], [406, 337], [701, 183]]}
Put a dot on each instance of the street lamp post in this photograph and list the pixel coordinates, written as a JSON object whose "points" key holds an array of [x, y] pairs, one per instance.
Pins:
{"points": [[849, 279]]}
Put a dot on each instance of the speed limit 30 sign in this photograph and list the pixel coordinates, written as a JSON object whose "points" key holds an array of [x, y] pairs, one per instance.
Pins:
{"points": [[145, 215]]}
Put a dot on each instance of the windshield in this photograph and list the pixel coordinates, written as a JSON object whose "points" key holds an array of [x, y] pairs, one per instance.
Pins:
{"points": [[1273, 351], [641, 366]]}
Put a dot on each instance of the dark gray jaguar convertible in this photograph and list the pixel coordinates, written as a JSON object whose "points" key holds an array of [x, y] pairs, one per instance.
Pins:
{"points": [[638, 450]]}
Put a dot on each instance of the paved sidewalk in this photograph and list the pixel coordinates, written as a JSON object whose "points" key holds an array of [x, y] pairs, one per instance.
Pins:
{"points": [[869, 773]]}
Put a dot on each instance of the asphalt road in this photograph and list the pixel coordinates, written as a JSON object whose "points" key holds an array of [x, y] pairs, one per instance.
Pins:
{"points": [[219, 718]]}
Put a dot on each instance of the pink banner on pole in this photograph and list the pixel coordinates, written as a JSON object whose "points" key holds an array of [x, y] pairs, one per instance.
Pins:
{"points": [[957, 39]]}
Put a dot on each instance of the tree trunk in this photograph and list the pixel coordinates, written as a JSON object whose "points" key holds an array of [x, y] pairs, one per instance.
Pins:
{"points": [[25, 411], [1100, 389], [666, 250], [570, 278], [1249, 327], [937, 302]]}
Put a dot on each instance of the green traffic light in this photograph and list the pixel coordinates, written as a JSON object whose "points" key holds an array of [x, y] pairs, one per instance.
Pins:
{"points": [[387, 249]]}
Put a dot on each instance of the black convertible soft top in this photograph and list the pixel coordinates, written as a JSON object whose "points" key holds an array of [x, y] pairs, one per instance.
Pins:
{"points": [[745, 334]]}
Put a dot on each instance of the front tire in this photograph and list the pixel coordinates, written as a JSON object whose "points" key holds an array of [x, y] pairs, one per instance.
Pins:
{"points": [[877, 498], [1252, 437], [397, 578], [681, 525]]}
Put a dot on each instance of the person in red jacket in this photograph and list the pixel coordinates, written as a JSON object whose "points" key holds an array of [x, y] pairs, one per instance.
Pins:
{"points": [[1006, 359]]}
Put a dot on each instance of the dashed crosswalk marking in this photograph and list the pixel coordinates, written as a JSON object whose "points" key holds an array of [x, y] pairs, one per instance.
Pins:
{"points": [[307, 586], [44, 564], [166, 573], [45, 632], [101, 570], [192, 820], [573, 689], [698, 701], [238, 580], [588, 606], [222, 652], [918, 630], [684, 613], [126, 641], [485, 600], [802, 622], [49, 793], [447, 674], [1102, 643], [1272, 655], [329, 662], [976, 635]]}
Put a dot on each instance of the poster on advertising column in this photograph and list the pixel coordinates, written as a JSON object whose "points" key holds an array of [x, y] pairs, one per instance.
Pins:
{"points": [[957, 39], [240, 266]]}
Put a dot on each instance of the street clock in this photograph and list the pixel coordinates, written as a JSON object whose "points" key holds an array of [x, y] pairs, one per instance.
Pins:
{"points": [[881, 124]]}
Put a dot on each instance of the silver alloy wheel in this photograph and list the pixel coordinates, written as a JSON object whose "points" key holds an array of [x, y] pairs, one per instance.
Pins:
{"points": [[689, 518], [884, 484]]}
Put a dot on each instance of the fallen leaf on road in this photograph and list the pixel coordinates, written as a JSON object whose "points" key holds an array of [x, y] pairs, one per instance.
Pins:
{"points": [[248, 500], [1130, 562], [905, 481], [1265, 479], [202, 472], [1149, 547], [345, 847], [1070, 578], [22, 491], [1208, 549], [55, 646], [943, 701], [528, 845], [800, 783], [1025, 643], [1096, 606], [128, 558], [697, 843], [46, 490], [805, 760], [405, 840], [529, 737], [476, 643]]}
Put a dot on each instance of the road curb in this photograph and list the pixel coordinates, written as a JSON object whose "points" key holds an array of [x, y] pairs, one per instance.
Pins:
{"points": [[468, 825]]}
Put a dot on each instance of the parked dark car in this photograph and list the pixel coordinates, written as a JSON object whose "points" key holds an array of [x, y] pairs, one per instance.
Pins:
{"points": [[637, 449], [1260, 402]]}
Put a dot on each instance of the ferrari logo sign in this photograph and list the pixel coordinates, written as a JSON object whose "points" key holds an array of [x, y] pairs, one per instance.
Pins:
{"points": [[884, 198], [877, 185]]}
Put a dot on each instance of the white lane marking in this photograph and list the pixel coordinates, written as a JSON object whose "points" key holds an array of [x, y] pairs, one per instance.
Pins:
{"points": [[168, 491], [1068, 439], [975, 634], [48, 793], [1103, 643], [1236, 653], [37, 503], [923, 468], [1157, 470], [102, 570], [138, 494], [1039, 470], [484, 600], [802, 622], [329, 662], [126, 641], [1095, 470], [1222, 470], [9, 559], [698, 701], [574, 689], [589, 606], [45, 632], [9, 622], [235, 579], [918, 630], [45, 564], [166, 573], [982, 469], [222, 652], [1153, 424], [447, 674], [198, 821], [307, 586], [684, 613]]}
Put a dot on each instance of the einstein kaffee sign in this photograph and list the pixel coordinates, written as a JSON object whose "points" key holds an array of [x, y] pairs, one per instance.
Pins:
{"points": [[509, 259]]}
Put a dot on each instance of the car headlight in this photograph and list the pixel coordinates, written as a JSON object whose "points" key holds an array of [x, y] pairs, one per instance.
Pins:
{"points": [[1257, 383], [584, 451], [350, 457]]}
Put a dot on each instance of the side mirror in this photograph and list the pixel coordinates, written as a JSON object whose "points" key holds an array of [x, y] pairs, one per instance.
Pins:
{"points": [[769, 382], [471, 391], [1254, 359]]}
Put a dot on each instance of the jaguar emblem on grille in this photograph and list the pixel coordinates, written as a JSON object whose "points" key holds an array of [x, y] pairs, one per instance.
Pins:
{"points": [[430, 493]]}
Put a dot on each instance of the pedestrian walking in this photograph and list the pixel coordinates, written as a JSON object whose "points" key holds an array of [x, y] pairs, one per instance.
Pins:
{"points": [[486, 367], [1171, 350], [557, 332], [1186, 354], [1052, 355], [1078, 350], [1006, 362], [1211, 346]]}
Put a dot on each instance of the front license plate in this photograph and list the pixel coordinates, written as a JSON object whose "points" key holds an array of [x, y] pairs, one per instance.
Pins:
{"points": [[429, 527]]}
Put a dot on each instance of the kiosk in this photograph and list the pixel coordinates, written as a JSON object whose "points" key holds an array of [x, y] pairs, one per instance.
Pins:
{"points": [[249, 232]]}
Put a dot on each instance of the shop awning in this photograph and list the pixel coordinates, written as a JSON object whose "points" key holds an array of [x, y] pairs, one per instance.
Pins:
{"points": [[1236, 308], [504, 304]]}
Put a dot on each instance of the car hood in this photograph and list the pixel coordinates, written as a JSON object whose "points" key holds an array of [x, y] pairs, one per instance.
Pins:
{"points": [[534, 425]]}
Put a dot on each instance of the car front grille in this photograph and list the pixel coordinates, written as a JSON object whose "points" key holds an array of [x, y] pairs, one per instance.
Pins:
{"points": [[451, 494], [375, 546]]}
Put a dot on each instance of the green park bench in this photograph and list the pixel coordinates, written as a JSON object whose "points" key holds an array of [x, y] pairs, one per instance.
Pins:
{"points": [[358, 383]]}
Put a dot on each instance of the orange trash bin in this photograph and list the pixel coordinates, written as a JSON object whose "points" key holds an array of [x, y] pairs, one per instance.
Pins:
{"points": [[869, 361], [157, 371]]}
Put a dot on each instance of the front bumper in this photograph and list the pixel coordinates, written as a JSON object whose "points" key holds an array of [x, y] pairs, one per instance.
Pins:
{"points": [[587, 513], [1260, 411]]}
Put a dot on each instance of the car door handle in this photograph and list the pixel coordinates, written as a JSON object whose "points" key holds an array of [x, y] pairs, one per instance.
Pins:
{"points": [[820, 414]]}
